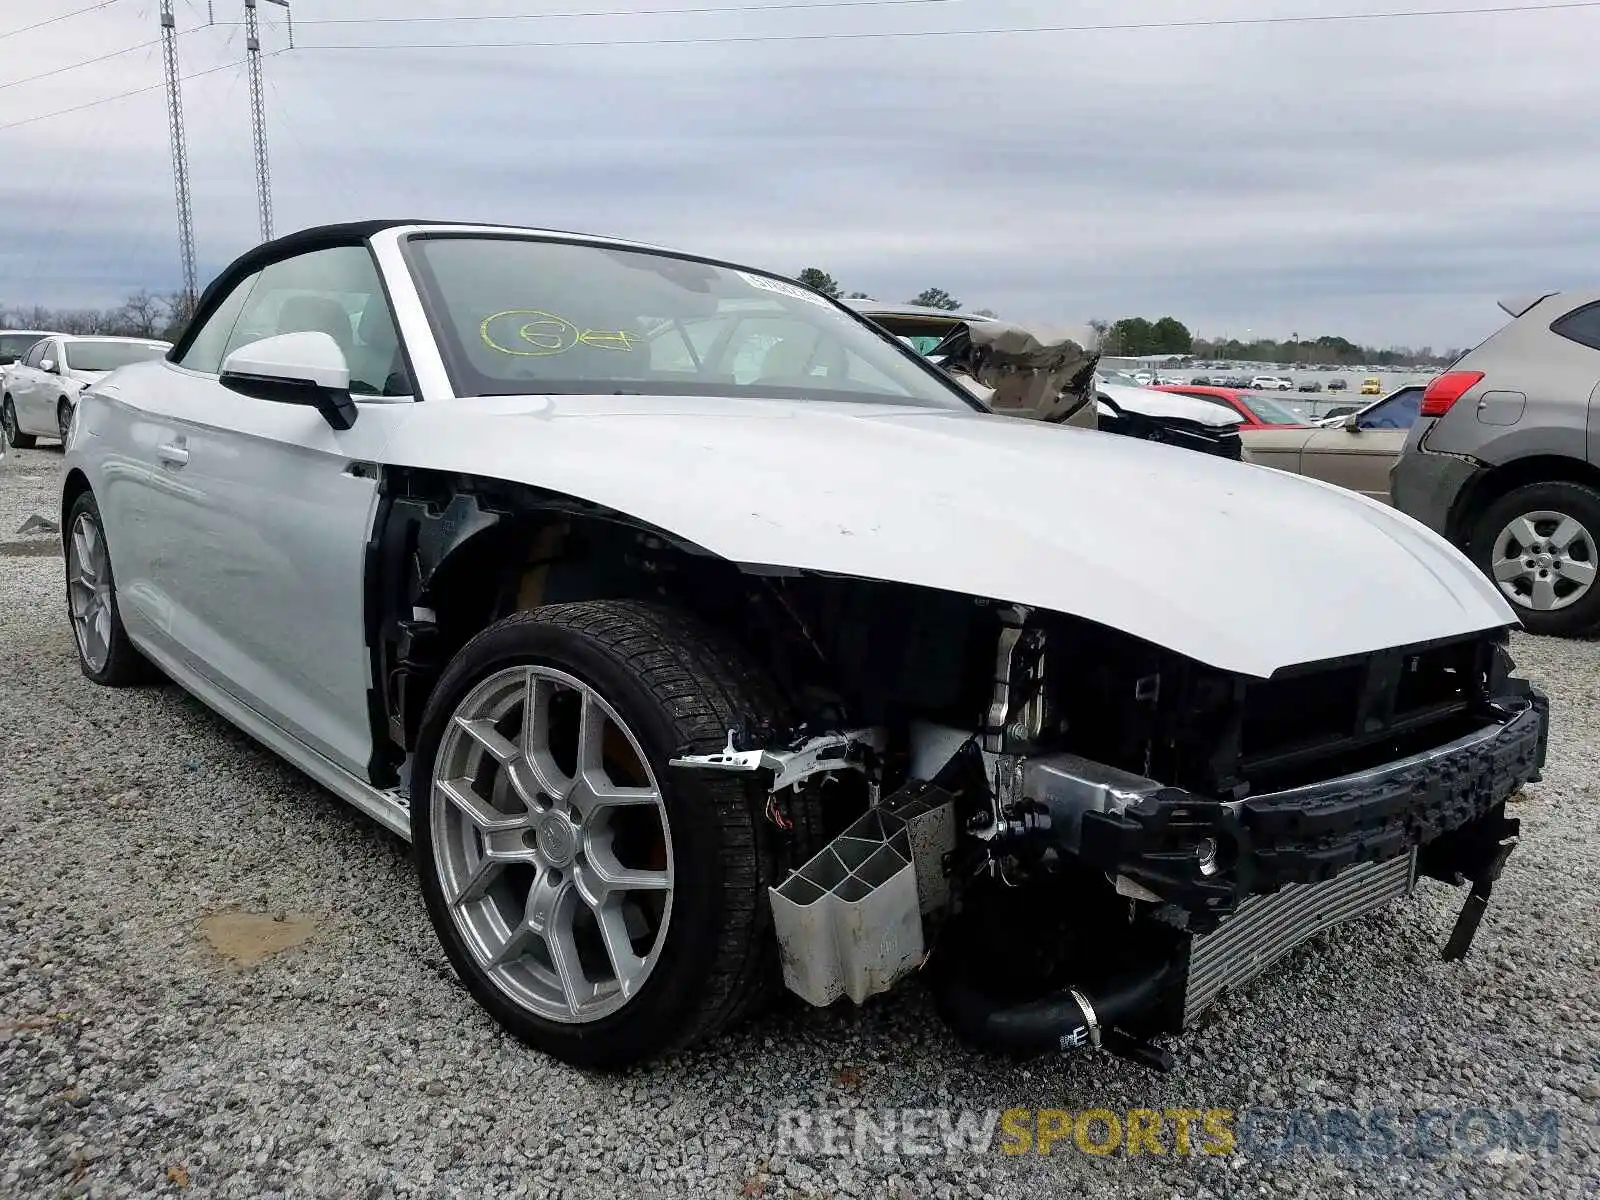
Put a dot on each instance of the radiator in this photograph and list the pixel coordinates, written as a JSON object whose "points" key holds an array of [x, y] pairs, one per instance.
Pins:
{"points": [[1265, 928]]}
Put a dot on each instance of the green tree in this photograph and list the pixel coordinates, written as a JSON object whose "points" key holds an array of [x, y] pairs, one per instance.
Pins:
{"points": [[819, 280], [935, 298], [1130, 338], [1171, 336]]}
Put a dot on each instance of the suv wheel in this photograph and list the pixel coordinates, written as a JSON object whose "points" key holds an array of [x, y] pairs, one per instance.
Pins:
{"points": [[601, 905], [1541, 545]]}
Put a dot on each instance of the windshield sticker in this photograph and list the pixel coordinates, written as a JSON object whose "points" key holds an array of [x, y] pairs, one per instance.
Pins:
{"points": [[541, 334], [779, 288]]}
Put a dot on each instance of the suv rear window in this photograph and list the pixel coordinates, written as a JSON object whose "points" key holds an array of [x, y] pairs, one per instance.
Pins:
{"points": [[1581, 325]]}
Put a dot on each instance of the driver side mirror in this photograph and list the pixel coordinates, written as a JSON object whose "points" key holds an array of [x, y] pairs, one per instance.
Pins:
{"points": [[47, 365], [294, 368], [1352, 423]]}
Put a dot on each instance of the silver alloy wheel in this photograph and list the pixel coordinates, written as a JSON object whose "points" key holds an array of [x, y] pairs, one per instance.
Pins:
{"points": [[557, 875], [1544, 560], [89, 591], [63, 420], [8, 423]]}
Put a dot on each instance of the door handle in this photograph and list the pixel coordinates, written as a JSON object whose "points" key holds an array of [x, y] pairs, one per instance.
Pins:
{"points": [[173, 454]]}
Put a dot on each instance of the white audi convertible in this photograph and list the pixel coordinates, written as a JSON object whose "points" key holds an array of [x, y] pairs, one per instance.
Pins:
{"points": [[706, 640]]}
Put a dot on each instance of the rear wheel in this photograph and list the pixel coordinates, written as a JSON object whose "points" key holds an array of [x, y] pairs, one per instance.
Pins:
{"points": [[15, 438], [1541, 545], [601, 905], [105, 654]]}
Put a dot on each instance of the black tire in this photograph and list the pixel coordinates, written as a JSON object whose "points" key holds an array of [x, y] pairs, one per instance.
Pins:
{"points": [[676, 682], [63, 419], [15, 438], [1572, 499], [124, 665]]}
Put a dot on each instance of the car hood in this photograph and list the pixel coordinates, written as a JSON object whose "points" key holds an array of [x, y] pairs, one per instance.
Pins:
{"points": [[86, 377], [1243, 568], [1151, 403]]}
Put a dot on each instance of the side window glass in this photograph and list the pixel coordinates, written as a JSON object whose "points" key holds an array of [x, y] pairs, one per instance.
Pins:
{"points": [[336, 292], [1581, 326], [1397, 412], [36, 355], [206, 351]]}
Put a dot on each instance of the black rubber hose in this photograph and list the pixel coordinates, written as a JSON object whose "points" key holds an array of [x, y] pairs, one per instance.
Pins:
{"points": [[1067, 1019]]}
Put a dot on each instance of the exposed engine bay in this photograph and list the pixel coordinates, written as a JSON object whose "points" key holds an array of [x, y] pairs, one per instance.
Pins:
{"points": [[1126, 834]]}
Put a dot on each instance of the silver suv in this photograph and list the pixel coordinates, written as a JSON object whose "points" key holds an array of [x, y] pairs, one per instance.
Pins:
{"points": [[1505, 459]]}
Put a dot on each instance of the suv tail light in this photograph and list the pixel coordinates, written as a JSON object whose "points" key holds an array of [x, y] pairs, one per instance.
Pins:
{"points": [[1446, 389]]}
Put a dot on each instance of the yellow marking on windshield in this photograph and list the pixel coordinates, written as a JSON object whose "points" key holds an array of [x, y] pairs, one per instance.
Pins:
{"points": [[548, 334]]}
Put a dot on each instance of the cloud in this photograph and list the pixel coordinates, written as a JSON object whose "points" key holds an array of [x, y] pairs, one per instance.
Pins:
{"points": [[1381, 180]]}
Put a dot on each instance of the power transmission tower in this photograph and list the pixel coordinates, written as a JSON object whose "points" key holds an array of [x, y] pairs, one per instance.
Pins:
{"points": [[180, 149], [258, 115]]}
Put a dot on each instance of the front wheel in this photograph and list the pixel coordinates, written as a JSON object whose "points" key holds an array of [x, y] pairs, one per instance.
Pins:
{"points": [[15, 438], [63, 418], [1541, 545], [602, 906]]}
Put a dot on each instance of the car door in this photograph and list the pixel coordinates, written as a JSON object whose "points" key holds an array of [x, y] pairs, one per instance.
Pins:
{"points": [[1360, 453], [261, 511], [49, 383], [1277, 446], [25, 388]]}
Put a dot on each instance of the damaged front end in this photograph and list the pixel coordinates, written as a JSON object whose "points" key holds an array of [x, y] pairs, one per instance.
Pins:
{"points": [[1123, 834], [1038, 374]]}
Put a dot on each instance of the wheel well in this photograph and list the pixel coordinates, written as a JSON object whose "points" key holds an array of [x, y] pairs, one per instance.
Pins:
{"points": [[75, 485], [1497, 482], [450, 555]]}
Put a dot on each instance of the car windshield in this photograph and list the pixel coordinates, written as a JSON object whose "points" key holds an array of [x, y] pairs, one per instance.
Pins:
{"points": [[1270, 412], [520, 315], [108, 356]]}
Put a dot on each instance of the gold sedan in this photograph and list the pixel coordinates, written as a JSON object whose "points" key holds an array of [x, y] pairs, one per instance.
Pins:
{"points": [[1355, 452]]}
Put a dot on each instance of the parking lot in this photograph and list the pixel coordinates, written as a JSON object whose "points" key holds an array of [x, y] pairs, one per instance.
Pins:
{"points": [[215, 979]]}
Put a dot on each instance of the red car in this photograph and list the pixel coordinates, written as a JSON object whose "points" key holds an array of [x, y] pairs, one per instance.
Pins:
{"points": [[1255, 411]]}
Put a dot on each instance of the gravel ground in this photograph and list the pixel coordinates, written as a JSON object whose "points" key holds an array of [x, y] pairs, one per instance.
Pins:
{"points": [[138, 831]]}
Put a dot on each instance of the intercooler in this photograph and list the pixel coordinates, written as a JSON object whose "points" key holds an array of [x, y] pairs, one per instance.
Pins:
{"points": [[1265, 928]]}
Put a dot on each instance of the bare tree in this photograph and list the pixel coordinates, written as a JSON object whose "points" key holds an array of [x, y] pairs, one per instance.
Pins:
{"points": [[142, 315]]}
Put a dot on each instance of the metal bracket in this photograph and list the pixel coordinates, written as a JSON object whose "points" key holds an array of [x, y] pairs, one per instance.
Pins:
{"points": [[819, 755]]}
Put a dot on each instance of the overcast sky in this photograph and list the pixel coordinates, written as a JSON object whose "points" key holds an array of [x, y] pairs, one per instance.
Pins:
{"points": [[1386, 181]]}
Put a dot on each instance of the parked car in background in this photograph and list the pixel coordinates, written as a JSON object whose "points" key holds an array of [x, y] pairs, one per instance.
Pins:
{"points": [[1371, 386], [1270, 383], [1357, 452], [1158, 415], [1004, 365], [1310, 385], [638, 612], [1251, 411], [14, 343], [1505, 460], [918, 327], [37, 393], [1338, 385], [1201, 381]]}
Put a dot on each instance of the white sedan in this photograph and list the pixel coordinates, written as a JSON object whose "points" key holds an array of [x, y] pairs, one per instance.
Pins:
{"points": [[39, 390], [625, 583]]}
